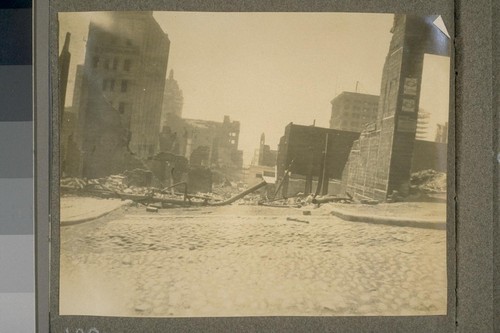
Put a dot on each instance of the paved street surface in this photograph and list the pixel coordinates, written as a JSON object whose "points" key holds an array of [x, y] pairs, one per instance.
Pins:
{"points": [[248, 261], [78, 209]]}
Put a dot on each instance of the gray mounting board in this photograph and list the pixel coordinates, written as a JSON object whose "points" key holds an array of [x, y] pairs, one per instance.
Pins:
{"points": [[473, 169]]}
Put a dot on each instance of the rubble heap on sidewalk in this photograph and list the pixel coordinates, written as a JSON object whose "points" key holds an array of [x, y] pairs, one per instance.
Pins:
{"points": [[429, 181], [137, 182]]}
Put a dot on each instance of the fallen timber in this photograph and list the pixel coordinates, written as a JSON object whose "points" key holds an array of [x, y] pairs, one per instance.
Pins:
{"points": [[152, 198], [272, 203], [238, 196], [147, 199], [326, 199], [265, 204]]}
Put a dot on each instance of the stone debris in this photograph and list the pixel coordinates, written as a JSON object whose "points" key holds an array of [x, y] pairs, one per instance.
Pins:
{"points": [[331, 198], [127, 186], [429, 181], [296, 220], [225, 190], [151, 209], [137, 177], [369, 202], [75, 183]]}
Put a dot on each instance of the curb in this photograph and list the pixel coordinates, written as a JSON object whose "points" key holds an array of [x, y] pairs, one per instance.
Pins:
{"points": [[64, 223], [394, 221]]}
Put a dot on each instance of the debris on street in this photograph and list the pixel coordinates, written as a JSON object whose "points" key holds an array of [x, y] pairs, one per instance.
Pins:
{"points": [[152, 209], [136, 186], [369, 202], [125, 187], [296, 220], [429, 181], [331, 198]]}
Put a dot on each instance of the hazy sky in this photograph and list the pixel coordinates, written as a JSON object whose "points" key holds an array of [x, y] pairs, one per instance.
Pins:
{"points": [[269, 69]]}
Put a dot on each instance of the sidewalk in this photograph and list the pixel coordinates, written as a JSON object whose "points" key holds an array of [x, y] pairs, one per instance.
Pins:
{"points": [[76, 210], [405, 214]]}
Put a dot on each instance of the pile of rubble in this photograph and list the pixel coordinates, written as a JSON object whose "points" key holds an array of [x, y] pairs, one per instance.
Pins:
{"points": [[226, 190], [301, 200], [125, 187], [251, 199], [429, 181], [113, 183], [117, 186]]}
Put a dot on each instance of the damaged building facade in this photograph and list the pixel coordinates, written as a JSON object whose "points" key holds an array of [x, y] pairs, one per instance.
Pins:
{"points": [[354, 111], [119, 95], [311, 159], [204, 143], [380, 161]]}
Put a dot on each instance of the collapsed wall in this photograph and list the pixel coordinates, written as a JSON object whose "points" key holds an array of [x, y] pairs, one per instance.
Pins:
{"points": [[104, 140]]}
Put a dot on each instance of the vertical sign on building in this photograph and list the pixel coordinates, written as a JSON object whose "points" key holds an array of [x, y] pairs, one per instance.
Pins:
{"points": [[385, 154]]}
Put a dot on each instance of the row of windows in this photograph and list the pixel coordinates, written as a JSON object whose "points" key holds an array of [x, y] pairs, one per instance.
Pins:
{"points": [[109, 85], [112, 38], [356, 116], [112, 63], [346, 115], [351, 124], [357, 108]]}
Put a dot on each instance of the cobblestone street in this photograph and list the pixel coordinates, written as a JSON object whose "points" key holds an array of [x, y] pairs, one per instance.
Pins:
{"points": [[249, 261]]}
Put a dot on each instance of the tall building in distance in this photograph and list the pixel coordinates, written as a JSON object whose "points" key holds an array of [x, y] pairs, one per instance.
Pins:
{"points": [[351, 111], [265, 155], [422, 124], [263, 164], [123, 81], [173, 99]]}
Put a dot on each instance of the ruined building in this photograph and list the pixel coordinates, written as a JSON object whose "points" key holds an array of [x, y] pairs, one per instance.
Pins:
{"points": [[214, 143], [265, 155], [203, 142], [119, 93], [352, 111], [380, 161], [313, 156], [228, 155], [263, 164]]}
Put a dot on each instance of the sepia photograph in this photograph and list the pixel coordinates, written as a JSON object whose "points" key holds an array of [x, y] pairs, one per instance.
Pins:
{"points": [[223, 164]]}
